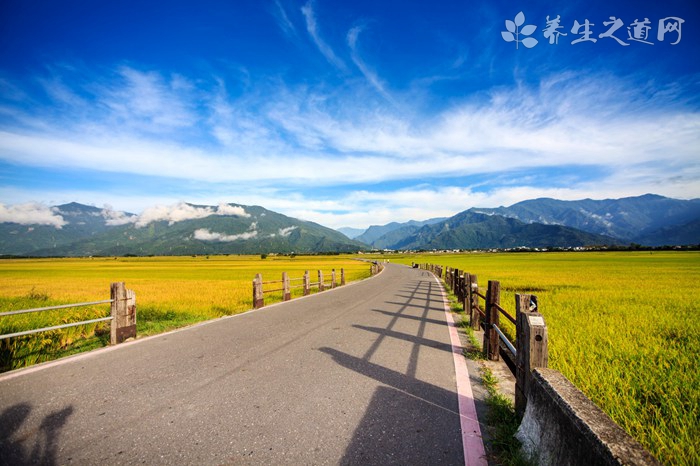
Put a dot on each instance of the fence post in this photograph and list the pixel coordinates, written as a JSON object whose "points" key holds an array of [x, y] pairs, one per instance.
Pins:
{"points": [[493, 297], [285, 285], [258, 297], [466, 296], [473, 289], [307, 281], [320, 281], [531, 347], [123, 311], [342, 277], [460, 286], [332, 278]]}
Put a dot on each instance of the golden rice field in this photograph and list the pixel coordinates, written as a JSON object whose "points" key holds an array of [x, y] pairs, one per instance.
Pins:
{"points": [[624, 327], [171, 292]]}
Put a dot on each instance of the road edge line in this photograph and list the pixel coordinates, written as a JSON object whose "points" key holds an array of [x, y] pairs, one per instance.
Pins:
{"points": [[472, 442]]}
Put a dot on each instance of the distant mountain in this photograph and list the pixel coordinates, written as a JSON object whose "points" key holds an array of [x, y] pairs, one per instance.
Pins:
{"points": [[649, 219], [473, 230], [375, 232], [351, 233], [176, 230]]}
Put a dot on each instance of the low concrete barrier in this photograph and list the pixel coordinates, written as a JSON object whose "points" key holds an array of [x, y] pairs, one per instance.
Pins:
{"points": [[562, 426]]}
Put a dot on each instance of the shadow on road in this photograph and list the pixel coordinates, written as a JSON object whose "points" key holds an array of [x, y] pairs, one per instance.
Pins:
{"points": [[408, 421], [14, 448]]}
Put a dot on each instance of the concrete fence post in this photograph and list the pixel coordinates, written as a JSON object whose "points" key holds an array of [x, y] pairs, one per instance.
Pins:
{"points": [[332, 278], [123, 310], [258, 297], [342, 277], [320, 281], [532, 347]]}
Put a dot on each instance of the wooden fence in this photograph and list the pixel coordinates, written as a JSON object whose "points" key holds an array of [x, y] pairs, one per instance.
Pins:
{"points": [[285, 285], [529, 350], [122, 315]]}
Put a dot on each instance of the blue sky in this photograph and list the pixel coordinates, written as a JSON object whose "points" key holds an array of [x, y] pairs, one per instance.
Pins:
{"points": [[347, 113]]}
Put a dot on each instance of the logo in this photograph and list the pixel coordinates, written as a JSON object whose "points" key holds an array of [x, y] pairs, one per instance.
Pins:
{"points": [[637, 31]]}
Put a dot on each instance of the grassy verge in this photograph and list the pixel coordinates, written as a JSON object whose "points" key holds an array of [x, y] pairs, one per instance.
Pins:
{"points": [[501, 418]]}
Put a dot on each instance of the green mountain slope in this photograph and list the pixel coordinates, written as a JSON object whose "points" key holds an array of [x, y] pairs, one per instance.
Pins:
{"points": [[255, 231], [640, 219], [472, 230]]}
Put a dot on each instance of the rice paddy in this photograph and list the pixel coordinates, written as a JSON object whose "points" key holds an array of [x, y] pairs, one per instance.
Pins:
{"points": [[171, 292], [623, 327]]}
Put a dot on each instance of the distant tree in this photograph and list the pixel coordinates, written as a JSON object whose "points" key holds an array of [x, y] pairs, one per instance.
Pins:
{"points": [[263, 256]]}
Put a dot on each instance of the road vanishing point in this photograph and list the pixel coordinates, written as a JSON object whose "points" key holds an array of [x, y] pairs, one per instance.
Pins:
{"points": [[368, 373]]}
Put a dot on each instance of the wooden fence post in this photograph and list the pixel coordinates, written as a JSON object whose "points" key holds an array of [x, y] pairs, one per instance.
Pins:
{"points": [[307, 281], [123, 311], [258, 297], [493, 297], [473, 289], [465, 296], [287, 295], [531, 345], [342, 277], [320, 281], [460, 286], [332, 278]]}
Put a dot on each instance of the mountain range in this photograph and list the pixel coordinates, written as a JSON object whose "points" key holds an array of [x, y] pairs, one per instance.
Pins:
{"points": [[80, 230], [176, 230], [649, 220]]}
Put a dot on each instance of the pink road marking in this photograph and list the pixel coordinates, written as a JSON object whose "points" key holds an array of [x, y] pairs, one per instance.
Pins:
{"points": [[472, 442]]}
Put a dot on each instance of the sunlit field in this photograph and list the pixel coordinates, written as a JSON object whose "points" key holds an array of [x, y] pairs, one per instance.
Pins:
{"points": [[171, 292], [623, 327]]}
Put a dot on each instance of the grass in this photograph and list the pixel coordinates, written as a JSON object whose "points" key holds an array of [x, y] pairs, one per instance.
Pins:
{"points": [[171, 292], [623, 327], [501, 418]]}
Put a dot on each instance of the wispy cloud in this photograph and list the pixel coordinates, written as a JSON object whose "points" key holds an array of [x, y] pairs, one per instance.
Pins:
{"points": [[312, 28], [279, 138], [283, 20], [370, 75]]}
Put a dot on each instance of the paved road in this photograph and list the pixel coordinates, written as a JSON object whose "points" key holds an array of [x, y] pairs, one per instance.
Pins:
{"points": [[362, 374]]}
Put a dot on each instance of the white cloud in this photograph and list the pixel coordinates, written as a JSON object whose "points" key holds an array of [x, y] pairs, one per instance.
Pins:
{"points": [[31, 213], [117, 217], [184, 211], [172, 214], [205, 235], [286, 231], [228, 209]]}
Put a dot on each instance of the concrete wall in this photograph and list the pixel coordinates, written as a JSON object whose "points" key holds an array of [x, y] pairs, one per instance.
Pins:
{"points": [[561, 426]]}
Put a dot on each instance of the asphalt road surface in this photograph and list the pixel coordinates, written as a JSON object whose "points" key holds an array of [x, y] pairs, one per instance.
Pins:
{"points": [[363, 374]]}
